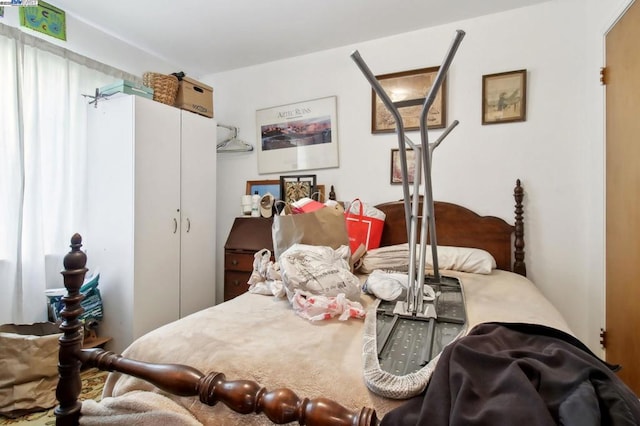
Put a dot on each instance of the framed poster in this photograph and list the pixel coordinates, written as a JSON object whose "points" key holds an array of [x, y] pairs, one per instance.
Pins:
{"points": [[408, 91], [504, 97], [396, 168], [300, 136]]}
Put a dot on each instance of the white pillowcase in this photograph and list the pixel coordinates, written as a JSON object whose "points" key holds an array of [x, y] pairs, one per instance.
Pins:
{"points": [[463, 259]]}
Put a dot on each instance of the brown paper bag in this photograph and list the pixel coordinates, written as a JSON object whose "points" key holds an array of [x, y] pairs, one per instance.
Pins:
{"points": [[323, 227], [29, 373]]}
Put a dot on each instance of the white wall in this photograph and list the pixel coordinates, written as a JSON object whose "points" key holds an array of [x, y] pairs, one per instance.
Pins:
{"points": [[95, 44], [557, 152]]}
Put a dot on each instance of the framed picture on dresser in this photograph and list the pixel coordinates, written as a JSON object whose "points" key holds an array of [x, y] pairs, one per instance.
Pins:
{"points": [[263, 186], [295, 187]]}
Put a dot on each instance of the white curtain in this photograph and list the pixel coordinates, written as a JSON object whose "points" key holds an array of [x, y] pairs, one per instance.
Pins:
{"points": [[43, 165]]}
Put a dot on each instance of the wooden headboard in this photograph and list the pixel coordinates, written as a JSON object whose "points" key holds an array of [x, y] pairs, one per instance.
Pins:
{"points": [[461, 227]]}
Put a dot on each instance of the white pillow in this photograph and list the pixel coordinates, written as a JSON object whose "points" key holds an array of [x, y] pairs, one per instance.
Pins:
{"points": [[463, 259]]}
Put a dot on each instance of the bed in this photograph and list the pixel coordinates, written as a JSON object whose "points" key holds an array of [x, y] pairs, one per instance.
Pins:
{"points": [[210, 367]]}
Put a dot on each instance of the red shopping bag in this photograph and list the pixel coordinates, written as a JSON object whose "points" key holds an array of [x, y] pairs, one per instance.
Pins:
{"points": [[365, 230]]}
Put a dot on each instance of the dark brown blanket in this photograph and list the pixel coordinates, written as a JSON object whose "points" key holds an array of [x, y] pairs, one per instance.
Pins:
{"points": [[520, 374]]}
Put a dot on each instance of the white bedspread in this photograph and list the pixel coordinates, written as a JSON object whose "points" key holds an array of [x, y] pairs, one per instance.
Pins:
{"points": [[259, 338]]}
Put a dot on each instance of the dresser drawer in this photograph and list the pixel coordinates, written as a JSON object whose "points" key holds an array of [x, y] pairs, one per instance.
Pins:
{"points": [[235, 283], [237, 261]]}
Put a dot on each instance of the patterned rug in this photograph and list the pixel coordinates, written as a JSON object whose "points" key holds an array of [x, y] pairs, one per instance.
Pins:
{"points": [[92, 384]]}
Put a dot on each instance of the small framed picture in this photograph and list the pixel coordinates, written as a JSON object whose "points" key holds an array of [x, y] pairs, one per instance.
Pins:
{"points": [[408, 91], [396, 170], [504, 97], [292, 188], [319, 194], [264, 186]]}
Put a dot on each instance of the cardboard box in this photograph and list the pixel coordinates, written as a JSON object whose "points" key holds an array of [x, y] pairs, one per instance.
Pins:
{"points": [[195, 96], [128, 87]]}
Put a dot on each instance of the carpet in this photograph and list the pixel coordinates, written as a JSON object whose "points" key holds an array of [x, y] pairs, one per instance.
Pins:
{"points": [[92, 384]]}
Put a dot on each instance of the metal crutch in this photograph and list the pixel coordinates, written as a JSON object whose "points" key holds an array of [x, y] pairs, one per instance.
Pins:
{"points": [[414, 304]]}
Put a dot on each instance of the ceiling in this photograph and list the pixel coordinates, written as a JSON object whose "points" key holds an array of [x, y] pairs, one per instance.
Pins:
{"points": [[209, 36]]}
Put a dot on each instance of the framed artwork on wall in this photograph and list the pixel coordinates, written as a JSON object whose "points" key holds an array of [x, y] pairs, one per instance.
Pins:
{"points": [[300, 136], [44, 18], [504, 97], [396, 170], [292, 188], [408, 91]]}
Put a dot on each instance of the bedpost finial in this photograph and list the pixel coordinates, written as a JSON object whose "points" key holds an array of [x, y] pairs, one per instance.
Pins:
{"points": [[76, 240], [76, 258], [518, 190]]}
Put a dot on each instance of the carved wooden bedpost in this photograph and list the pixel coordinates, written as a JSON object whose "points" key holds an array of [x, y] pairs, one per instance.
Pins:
{"points": [[519, 266], [69, 383]]}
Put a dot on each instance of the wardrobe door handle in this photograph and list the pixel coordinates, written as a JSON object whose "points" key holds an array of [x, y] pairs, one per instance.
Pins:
{"points": [[175, 225], [188, 225]]}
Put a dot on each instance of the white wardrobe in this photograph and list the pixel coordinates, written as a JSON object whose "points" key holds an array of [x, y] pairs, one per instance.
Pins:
{"points": [[151, 230]]}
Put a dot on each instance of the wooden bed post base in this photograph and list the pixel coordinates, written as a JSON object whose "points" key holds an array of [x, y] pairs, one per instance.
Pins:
{"points": [[243, 396]]}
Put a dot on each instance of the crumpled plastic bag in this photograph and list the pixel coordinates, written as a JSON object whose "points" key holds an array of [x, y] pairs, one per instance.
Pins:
{"points": [[318, 308], [265, 278], [385, 285], [318, 270], [392, 286]]}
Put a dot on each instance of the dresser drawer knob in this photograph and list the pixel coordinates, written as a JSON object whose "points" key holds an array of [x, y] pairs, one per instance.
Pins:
{"points": [[236, 282], [234, 262]]}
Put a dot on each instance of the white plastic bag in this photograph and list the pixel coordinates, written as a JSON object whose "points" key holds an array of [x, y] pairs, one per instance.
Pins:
{"points": [[392, 286], [318, 270], [265, 278], [386, 286]]}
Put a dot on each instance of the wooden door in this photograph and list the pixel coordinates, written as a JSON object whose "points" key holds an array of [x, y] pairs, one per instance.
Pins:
{"points": [[623, 196], [198, 212]]}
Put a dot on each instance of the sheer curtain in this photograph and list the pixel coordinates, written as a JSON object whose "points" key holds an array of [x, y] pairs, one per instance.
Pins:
{"points": [[43, 165]]}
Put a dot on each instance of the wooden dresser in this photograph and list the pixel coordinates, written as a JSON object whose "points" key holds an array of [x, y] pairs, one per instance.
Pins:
{"points": [[248, 235]]}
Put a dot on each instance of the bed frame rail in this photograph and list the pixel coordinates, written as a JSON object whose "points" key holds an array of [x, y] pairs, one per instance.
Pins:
{"points": [[243, 396]]}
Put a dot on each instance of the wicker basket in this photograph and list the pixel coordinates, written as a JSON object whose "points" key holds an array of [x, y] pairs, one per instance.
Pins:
{"points": [[165, 87]]}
